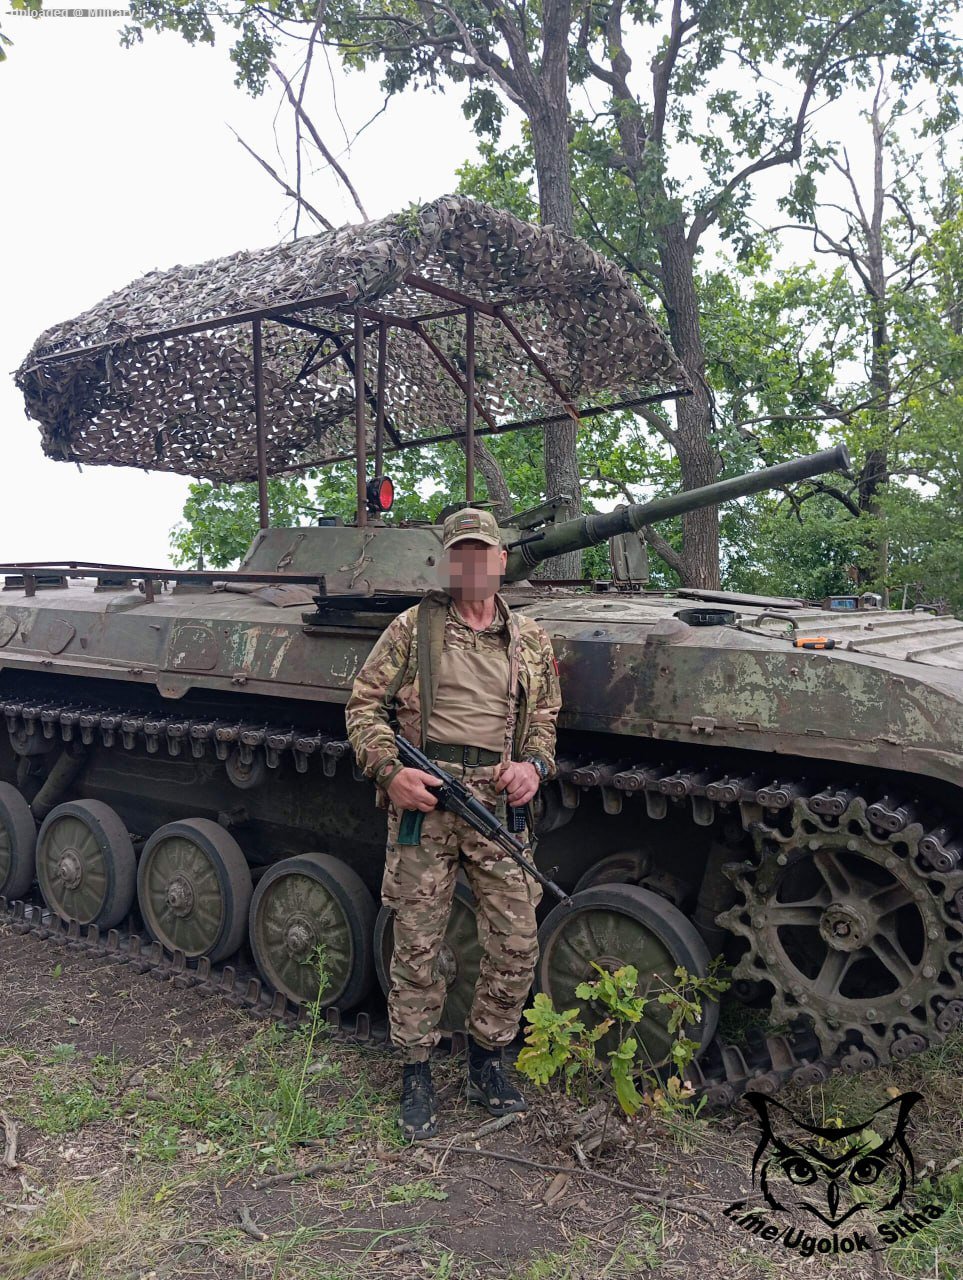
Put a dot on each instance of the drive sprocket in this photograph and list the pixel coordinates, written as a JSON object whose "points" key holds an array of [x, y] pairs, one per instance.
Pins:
{"points": [[855, 928]]}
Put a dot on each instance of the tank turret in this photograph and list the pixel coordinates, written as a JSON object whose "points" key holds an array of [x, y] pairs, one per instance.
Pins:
{"points": [[381, 559]]}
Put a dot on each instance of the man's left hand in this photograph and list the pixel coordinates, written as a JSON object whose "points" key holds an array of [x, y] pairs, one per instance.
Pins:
{"points": [[520, 778]]}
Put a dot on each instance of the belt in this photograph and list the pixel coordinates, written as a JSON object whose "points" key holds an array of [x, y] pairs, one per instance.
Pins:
{"points": [[467, 757]]}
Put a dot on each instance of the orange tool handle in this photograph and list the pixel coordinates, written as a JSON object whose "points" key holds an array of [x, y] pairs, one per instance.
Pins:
{"points": [[813, 642]]}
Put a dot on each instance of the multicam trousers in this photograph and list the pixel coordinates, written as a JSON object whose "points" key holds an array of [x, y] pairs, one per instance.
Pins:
{"points": [[418, 885]]}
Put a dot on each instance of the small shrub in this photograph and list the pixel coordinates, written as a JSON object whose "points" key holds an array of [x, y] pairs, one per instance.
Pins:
{"points": [[559, 1044]]}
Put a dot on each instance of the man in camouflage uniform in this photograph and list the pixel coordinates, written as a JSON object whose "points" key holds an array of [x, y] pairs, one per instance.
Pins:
{"points": [[476, 687]]}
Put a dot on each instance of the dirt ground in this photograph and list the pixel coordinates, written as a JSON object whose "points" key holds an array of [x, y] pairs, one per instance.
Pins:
{"points": [[163, 1134]]}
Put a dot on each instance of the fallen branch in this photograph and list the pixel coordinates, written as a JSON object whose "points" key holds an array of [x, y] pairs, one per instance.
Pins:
{"points": [[648, 1195], [309, 1171], [12, 1132], [490, 1126], [476, 1177], [249, 1226]]}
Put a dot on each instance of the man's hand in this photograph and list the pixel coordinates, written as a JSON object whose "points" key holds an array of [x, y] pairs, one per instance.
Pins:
{"points": [[409, 790], [521, 778]]}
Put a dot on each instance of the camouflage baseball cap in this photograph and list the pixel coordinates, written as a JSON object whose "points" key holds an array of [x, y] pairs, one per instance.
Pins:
{"points": [[471, 522]]}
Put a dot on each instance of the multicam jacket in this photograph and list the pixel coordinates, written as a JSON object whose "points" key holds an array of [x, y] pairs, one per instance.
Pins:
{"points": [[400, 676]]}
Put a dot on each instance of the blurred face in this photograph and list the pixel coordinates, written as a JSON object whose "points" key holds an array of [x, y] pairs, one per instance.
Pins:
{"points": [[472, 570]]}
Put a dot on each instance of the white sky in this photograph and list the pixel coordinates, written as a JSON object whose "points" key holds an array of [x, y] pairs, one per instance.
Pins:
{"points": [[117, 162]]}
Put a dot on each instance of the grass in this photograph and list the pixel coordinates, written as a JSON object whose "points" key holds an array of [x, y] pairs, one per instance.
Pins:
{"points": [[189, 1123], [85, 1230], [289, 1254], [638, 1252], [64, 1110], [164, 1153], [83, 1227], [937, 1251], [762, 1265], [253, 1110]]}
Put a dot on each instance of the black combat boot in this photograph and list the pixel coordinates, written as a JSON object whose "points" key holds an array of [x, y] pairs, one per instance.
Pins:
{"points": [[487, 1082], [418, 1119]]}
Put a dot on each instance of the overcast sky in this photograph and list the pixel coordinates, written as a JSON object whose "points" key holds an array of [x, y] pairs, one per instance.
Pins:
{"points": [[117, 162]]}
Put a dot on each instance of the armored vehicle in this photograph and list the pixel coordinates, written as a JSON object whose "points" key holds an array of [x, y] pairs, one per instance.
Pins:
{"points": [[760, 778]]}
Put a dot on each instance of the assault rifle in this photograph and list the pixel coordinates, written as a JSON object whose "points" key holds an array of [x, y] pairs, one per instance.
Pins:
{"points": [[456, 798]]}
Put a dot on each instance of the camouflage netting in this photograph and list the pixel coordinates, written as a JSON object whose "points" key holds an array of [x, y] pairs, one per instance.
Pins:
{"points": [[116, 386]]}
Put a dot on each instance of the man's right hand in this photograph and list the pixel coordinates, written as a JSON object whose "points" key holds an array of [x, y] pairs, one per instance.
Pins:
{"points": [[409, 790]]}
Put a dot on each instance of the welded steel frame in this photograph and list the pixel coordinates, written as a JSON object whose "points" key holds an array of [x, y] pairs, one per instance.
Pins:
{"points": [[350, 348]]}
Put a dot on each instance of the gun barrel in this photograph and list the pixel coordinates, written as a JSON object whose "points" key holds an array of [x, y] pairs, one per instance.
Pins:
{"points": [[574, 535]]}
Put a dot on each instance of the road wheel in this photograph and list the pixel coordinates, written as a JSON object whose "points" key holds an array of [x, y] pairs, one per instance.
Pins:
{"points": [[194, 889], [85, 863], [309, 903], [615, 925], [627, 867], [18, 843]]}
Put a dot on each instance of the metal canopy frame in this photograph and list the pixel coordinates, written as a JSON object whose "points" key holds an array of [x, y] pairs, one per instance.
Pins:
{"points": [[351, 351], [362, 318]]}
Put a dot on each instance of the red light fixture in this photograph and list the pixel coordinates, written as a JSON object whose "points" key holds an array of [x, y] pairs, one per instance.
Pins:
{"points": [[381, 494]]}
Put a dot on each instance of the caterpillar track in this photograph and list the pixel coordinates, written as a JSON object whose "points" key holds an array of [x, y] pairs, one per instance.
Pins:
{"points": [[836, 847]]}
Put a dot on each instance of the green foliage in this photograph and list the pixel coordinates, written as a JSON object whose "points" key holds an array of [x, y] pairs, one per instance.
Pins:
{"points": [[721, 113], [409, 1192], [503, 177], [939, 1249], [64, 1110], [569, 1043], [768, 550], [783, 348], [617, 992], [221, 521], [622, 1062], [556, 1040]]}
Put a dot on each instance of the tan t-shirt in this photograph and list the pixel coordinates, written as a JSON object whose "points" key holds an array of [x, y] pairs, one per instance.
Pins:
{"points": [[471, 702]]}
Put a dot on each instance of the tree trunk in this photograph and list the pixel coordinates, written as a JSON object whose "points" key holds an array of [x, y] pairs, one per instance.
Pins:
{"points": [[874, 475], [495, 482], [698, 458], [550, 145], [552, 172]]}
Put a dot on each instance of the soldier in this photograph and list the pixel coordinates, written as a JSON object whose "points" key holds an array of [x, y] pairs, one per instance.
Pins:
{"points": [[476, 687]]}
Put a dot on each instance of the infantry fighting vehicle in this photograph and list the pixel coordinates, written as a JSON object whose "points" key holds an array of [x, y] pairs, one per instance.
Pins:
{"points": [[756, 777]]}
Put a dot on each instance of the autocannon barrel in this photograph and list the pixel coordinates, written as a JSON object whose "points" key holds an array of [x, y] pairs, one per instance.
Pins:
{"points": [[574, 535]]}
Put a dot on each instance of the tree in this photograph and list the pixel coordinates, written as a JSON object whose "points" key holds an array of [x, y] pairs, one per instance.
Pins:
{"points": [[781, 346], [823, 539], [738, 135], [504, 53], [879, 235], [219, 521]]}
